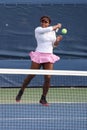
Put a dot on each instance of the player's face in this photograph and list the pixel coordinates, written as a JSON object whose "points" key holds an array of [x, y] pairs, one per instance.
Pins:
{"points": [[44, 23]]}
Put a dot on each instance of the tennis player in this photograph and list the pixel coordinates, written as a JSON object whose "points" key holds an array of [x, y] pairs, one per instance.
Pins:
{"points": [[43, 55]]}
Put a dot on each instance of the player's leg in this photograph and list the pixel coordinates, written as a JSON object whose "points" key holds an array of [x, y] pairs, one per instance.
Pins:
{"points": [[46, 86], [31, 76], [27, 81]]}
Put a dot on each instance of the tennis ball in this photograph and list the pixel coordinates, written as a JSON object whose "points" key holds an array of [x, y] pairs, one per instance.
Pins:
{"points": [[64, 31]]}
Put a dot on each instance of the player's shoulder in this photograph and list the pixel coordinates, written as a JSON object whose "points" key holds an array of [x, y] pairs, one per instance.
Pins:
{"points": [[38, 28]]}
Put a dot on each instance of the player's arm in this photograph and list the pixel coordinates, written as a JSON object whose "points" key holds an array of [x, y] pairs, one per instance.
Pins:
{"points": [[58, 39], [58, 26], [47, 29]]}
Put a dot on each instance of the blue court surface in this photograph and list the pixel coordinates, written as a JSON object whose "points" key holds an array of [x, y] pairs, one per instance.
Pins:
{"points": [[57, 116]]}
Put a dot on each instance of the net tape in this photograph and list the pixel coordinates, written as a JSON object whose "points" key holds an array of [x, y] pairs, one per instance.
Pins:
{"points": [[44, 72]]}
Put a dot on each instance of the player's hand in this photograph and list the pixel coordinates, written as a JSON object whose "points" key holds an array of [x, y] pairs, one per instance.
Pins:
{"points": [[59, 25], [59, 38]]}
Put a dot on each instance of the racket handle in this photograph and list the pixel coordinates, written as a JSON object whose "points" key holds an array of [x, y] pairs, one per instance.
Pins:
{"points": [[57, 30]]}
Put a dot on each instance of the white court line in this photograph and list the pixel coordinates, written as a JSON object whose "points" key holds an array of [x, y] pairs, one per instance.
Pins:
{"points": [[36, 103], [41, 119]]}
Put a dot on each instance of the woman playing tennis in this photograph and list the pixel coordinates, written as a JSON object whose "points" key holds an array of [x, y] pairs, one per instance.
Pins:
{"points": [[43, 55]]}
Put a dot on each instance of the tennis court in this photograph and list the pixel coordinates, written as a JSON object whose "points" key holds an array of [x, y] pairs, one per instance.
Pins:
{"points": [[67, 109], [68, 93]]}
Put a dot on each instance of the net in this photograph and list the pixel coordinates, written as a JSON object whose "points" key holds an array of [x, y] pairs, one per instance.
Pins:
{"points": [[67, 99]]}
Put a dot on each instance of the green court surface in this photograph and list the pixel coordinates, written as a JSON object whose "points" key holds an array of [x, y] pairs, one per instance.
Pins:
{"points": [[55, 95]]}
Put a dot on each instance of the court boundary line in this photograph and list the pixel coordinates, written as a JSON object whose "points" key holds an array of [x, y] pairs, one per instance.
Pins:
{"points": [[36, 103], [44, 118]]}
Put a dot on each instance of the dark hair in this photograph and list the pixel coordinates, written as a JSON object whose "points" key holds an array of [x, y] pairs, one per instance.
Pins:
{"points": [[47, 17]]}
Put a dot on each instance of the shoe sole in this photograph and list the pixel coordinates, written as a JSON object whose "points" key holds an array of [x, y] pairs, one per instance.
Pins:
{"points": [[45, 104], [17, 100]]}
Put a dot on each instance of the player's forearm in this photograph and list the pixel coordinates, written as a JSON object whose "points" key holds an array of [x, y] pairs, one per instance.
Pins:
{"points": [[58, 39], [58, 26], [56, 43]]}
